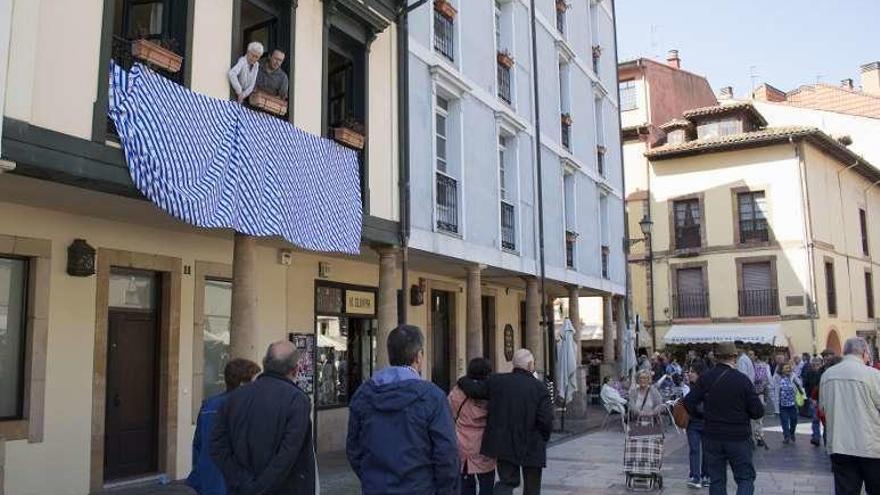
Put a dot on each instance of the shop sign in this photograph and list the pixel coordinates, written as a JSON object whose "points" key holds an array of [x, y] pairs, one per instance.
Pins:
{"points": [[358, 302], [508, 342]]}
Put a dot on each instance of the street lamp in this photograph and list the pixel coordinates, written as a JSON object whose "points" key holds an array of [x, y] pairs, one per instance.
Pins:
{"points": [[645, 224]]}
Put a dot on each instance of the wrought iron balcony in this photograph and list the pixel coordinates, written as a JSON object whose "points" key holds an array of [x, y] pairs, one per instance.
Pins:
{"points": [[690, 305], [447, 203], [504, 83], [570, 240], [508, 226], [763, 302], [566, 134], [753, 231], [443, 35]]}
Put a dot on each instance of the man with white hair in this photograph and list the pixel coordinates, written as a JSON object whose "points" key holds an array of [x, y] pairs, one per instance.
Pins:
{"points": [[849, 392], [243, 75], [519, 424]]}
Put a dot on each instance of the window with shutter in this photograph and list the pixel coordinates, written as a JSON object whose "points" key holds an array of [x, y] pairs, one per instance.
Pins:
{"points": [[690, 300], [757, 295]]}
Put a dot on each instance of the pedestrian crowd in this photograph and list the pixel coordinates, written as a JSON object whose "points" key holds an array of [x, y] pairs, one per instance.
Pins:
{"points": [[490, 433]]}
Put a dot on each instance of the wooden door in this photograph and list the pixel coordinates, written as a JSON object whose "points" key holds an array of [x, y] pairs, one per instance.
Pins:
{"points": [[441, 330], [488, 309], [132, 411]]}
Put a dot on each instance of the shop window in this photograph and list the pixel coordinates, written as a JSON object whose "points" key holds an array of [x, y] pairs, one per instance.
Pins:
{"points": [[215, 335], [345, 344]]}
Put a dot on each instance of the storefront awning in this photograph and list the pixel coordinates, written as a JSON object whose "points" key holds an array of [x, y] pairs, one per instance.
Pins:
{"points": [[759, 333]]}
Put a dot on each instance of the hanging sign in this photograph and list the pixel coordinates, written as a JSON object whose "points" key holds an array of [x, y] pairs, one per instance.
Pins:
{"points": [[508, 342]]}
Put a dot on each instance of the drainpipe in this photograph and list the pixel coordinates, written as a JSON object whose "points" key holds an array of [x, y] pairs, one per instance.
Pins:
{"points": [[808, 237], [547, 321], [626, 283], [403, 184]]}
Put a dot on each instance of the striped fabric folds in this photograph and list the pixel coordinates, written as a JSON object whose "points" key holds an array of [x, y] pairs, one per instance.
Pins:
{"points": [[217, 164]]}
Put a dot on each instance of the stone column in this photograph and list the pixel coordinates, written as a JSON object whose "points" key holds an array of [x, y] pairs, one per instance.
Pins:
{"points": [[474, 330], [244, 326], [387, 304], [534, 337], [574, 314], [607, 330]]}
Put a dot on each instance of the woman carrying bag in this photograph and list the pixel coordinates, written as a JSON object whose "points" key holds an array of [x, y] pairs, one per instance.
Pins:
{"points": [[791, 392], [470, 423]]}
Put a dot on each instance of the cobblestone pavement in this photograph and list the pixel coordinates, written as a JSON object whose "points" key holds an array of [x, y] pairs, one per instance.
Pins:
{"points": [[591, 464]]}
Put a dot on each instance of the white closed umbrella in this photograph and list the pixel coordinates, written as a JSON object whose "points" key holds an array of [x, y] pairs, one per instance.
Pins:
{"points": [[628, 359], [566, 363]]}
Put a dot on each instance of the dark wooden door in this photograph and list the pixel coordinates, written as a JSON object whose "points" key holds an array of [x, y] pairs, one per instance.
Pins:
{"points": [[488, 309], [131, 424], [441, 330]]}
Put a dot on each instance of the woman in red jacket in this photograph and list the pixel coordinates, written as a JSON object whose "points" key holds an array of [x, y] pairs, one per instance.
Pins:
{"points": [[470, 422]]}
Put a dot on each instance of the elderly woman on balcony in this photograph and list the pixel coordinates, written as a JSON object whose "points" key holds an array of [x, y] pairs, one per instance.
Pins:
{"points": [[243, 75]]}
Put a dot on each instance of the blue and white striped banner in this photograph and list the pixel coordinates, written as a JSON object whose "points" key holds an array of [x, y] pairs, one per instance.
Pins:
{"points": [[215, 163]]}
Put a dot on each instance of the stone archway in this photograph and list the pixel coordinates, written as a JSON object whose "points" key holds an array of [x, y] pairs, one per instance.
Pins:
{"points": [[833, 341]]}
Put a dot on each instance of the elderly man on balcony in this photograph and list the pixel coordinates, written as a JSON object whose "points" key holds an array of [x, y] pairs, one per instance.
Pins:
{"points": [[271, 79], [243, 75]]}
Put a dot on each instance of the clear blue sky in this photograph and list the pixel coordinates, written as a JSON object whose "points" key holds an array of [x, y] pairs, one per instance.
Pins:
{"points": [[785, 42]]}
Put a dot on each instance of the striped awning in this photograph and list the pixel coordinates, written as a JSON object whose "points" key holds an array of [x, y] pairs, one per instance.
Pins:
{"points": [[714, 333], [214, 163]]}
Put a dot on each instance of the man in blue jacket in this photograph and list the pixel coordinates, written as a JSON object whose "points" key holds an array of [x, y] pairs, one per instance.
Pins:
{"points": [[206, 478], [401, 439]]}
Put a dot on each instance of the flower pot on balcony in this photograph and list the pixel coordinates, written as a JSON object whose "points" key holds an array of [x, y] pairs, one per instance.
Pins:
{"points": [[349, 137], [600, 149], [155, 55], [566, 119], [268, 103], [505, 59], [561, 6], [597, 51], [444, 8]]}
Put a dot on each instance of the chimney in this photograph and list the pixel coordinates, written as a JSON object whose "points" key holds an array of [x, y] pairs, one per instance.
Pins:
{"points": [[672, 59], [871, 78], [847, 83], [726, 93]]}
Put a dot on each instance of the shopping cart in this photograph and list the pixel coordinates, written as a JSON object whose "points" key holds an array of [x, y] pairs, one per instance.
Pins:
{"points": [[643, 454]]}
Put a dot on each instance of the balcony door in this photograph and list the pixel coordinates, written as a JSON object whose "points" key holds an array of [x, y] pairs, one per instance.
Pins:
{"points": [[691, 300], [267, 22]]}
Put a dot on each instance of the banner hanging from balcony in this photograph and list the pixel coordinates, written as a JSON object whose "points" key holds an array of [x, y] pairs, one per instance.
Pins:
{"points": [[214, 163]]}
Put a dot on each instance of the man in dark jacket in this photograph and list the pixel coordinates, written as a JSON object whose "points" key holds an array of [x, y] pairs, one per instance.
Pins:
{"points": [[519, 424], [729, 404], [401, 439], [262, 440]]}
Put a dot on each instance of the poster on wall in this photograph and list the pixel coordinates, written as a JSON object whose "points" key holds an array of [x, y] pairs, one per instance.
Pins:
{"points": [[305, 344]]}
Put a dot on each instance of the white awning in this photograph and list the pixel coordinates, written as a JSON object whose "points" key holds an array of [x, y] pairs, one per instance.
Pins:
{"points": [[759, 333]]}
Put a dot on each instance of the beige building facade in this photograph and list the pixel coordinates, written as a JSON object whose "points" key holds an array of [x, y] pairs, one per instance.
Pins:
{"points": [[760, 234]]}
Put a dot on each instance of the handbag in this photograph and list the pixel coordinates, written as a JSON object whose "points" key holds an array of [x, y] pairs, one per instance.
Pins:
{"points": [[680, 414], [644, 426], [799, 396]]}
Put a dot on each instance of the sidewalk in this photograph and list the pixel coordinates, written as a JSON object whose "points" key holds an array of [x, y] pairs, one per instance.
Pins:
{"points": [[591, 464]]}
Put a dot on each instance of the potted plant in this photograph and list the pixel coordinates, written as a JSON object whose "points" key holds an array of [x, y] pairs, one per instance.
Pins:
{"points": [[600, 149], [268, 103], [351, 133], [505, 59], [597, 51], [445, 8], [561, 6], [566, 119], [157, 53]]}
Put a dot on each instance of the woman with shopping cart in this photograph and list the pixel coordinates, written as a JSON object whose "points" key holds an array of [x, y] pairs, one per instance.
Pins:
{"points": [[643, 451]]}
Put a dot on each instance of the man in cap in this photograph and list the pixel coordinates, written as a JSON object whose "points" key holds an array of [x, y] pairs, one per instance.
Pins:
{"points": [[729, 404]]}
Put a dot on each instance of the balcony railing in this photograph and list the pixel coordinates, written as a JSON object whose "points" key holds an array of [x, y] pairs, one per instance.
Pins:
{"points": [[120, 52], [566, 135], [764, 302], [690, 305], [687, 236], [443, 35], [753, 231], [600, 160], [504, 83], [570, 240], [447, 203], [508, 226], [605, 253]]}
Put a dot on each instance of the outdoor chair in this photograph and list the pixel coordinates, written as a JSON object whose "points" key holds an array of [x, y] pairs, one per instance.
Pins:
{"points": [[610, 409]]}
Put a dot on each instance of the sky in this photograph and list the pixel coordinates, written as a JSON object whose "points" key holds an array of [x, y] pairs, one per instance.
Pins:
{"points": [[786, 43]]}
